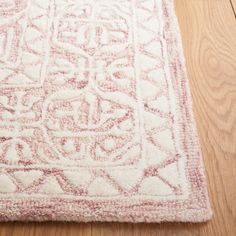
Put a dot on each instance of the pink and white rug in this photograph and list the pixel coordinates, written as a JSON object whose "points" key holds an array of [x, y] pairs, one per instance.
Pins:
{"points": [[96, 121]]}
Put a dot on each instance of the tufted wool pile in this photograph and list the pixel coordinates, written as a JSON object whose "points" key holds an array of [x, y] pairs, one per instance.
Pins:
{"points": [[96, 121]]}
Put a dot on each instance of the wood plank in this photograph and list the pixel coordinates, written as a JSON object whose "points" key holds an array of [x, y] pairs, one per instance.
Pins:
{"points": [[209, 33], [45, 229], [112, 229]]}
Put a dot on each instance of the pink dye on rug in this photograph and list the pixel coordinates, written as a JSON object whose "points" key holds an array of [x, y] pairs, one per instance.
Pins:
{"points": [[96, 121]]}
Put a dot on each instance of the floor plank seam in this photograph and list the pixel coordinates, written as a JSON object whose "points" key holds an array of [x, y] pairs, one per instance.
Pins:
{"points": [[232, 6]]}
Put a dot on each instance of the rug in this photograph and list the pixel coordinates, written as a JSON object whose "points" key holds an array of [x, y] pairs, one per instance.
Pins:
{"points": [[96, 120]]}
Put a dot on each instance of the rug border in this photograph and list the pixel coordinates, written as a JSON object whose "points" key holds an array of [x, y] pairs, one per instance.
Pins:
{"points": [[195, 209]]}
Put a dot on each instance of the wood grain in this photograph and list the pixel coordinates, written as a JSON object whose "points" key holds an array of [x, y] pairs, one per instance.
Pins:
{"points": [[209, 37]]}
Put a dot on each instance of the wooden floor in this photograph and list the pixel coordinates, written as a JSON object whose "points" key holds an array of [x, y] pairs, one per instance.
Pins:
{"points": [[209, 37]]}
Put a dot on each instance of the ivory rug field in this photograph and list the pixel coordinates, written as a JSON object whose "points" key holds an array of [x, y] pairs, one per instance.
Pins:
{"points": [[96, 121]]}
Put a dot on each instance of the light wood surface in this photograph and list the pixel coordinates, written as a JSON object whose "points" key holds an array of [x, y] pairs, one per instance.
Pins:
{"points": [[209, 38]]}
